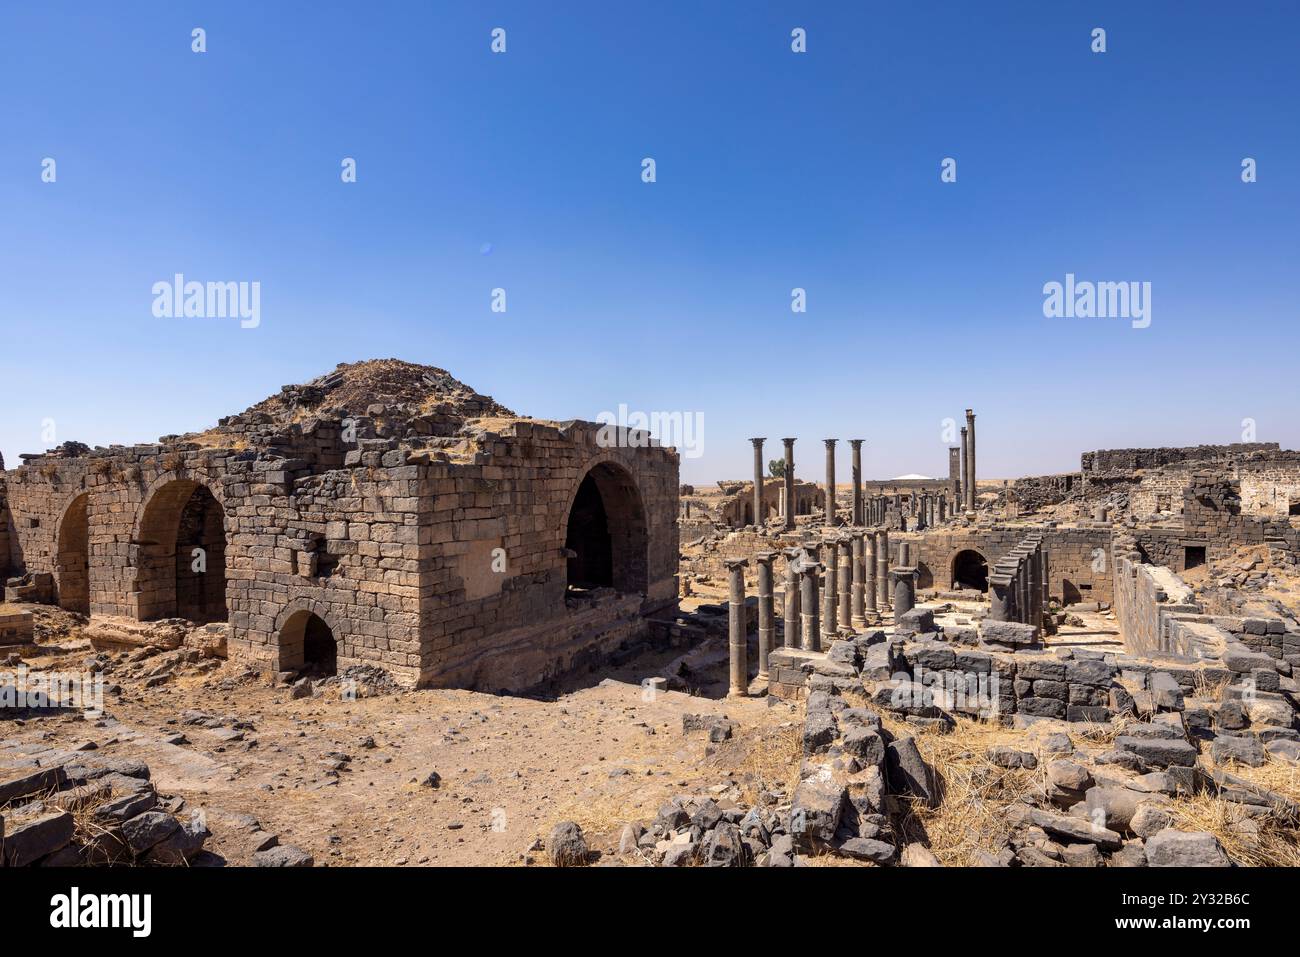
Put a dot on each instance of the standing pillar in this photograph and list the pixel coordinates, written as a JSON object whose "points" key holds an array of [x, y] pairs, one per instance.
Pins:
{"points": [[789, 484], [845, 588], [791, 637], [736, 626], [965, 445], [758, 481], [999, 593], [954, 472], [904, 578], [1045, 559], [831, 593], [1036, 587], [869, 572], [943, 508], [970, 461], [766, 618], [809, 625], [830, 482], [882, 569], [857, 480], [858, 617]]}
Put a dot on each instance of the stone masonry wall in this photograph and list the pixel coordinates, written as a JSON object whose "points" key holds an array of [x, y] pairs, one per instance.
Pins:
{"points": [[1078, 568]]}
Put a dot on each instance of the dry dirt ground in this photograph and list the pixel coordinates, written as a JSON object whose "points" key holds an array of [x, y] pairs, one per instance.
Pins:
{"points": [[511, 767]]}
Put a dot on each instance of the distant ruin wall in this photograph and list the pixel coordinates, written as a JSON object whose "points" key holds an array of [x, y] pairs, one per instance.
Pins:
{"points": [[1127, 460]]}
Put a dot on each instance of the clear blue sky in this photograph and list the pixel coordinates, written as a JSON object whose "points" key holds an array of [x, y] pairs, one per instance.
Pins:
{"points": [[775, 170]]}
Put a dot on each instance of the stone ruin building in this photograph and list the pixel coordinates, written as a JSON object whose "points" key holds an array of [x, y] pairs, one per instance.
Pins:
{"points": [[937, 606], [382, 515]]}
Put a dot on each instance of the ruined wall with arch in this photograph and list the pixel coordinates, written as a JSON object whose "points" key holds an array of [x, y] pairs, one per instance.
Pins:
{"points": [[442, 567], [515, 628], [1078, 554]]}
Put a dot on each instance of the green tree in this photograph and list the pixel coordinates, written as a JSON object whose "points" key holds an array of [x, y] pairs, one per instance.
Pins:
{"points": [[776, 468]]}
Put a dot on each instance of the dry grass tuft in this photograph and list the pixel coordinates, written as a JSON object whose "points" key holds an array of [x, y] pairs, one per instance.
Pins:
{"points": [[977, 793], [772, 759], [1250, 840]]}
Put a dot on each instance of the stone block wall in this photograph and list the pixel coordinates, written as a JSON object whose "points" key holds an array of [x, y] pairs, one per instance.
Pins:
{"points": [[1157, 612], [1077, 565], [442, 567], [515, 628]]}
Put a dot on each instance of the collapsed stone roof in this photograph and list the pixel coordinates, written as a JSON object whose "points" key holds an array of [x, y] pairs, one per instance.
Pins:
{"points": [[429, 400]]}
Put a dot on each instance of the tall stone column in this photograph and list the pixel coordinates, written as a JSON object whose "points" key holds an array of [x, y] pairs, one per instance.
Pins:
{"points": [[943, 508], [758, 481], [739, 684], [960, 505], [970, 461], [830, 482], [845, 586], [830, 607], [954, 473], [904, 578], [789, 484], [792, 556], [869, 571], [809, 623], [999, 593], [1047, 578], [766, 609], [1036, 586], [858, 618], [857, 480], [882, 569]]}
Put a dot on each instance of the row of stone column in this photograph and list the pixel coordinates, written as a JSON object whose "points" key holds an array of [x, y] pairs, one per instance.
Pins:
{"points": [[858, 517], [1018, 583], [831, 588]]}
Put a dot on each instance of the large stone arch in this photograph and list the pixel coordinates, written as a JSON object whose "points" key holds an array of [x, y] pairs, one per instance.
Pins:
{"points": [[292, 632], [72, 555], [179, 514], [605, 524]]}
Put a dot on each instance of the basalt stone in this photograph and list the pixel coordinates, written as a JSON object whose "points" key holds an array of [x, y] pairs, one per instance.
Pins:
{"points": [[817, 807], [1005, 756], [1065, 827], [864, 744], [1096, 673], [145, 830], [909, 773], [27, 841], [1040, 668], [38, 781], [1227, 749], [1159, 752], [566, 846], [819, 732], [867, 849], [282, 855], [933, 656], [1042, 707], [1171, 848]]}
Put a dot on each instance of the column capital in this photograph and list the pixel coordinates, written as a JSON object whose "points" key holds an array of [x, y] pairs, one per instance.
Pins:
{"points": [[734, 564], [830, 443], [788, 441], [856, 443], [758, 443], [764, 558]]}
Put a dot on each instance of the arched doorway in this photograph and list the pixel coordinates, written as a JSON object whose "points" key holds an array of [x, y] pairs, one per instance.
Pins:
{"points": [[182, 563], [970, 570], [606, 532], [72, 562], [307, 644]]}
